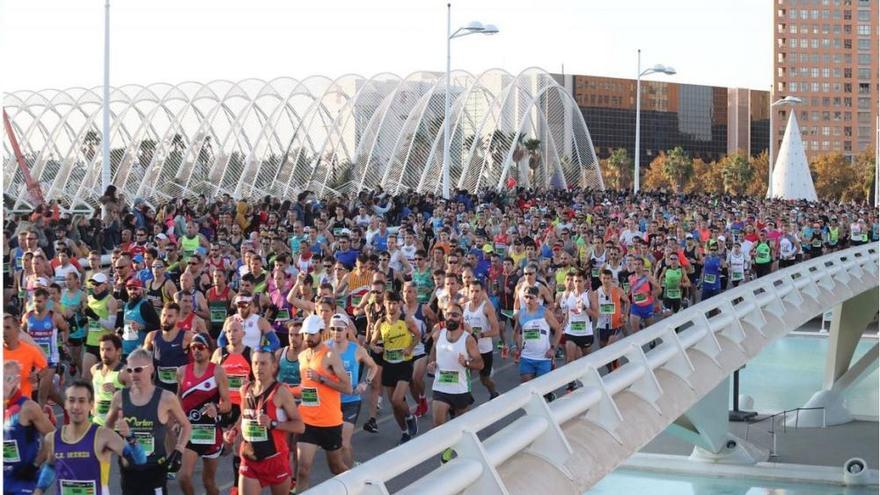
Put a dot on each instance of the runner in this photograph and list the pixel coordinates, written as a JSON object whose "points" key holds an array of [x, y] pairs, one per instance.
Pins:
{"points": [[139, 318], [673, 277], [43, 326], [100, 310], [71, 308], [220, 298], [23, 425], [204, 395], [78, 454], [479, 314], [108, 377], [643, 290], [324, 379], [19, 347], [144, 412], [423, 317], [168, 347], [257, 329], [577, 320], [711, 277], [536, 347], [268, 414], [399, 338], [453, 356]]}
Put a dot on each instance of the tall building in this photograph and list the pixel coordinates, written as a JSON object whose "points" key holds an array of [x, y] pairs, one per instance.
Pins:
{"points": [[707, 121], [825, 53]]}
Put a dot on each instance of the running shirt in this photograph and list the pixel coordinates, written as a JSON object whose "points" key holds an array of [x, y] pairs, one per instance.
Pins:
{"points": [[419, 317], [143, 421], [575, 307], [352, 367], [479, 323], [157, 296], [72, 301], [451, 376], [21, 444], [103, 398], [218, 307], [610, 308], [195, 393], [672, 283], [95, 329], [44, 333], [238, 371], [259, 442], [424, 283], [736, 266], [78, 469], [640, 291], [288, 371], [396, 338], [167, 357], [251, 326], [131, 338], [712, 273], [535, 334]]}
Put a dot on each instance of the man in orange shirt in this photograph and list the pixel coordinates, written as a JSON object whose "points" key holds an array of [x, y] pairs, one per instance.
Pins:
{"points": [[28, 355]]}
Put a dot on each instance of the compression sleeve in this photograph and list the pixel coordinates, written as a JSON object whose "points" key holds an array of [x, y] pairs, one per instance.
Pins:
{"points": [[46, 477]]}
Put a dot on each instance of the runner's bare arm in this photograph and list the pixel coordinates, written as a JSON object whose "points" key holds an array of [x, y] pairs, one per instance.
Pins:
{"points": [[294, 423], [343, 384], [476, 360], [115, 410], [494, 328], [223, 388], [172, 405]]}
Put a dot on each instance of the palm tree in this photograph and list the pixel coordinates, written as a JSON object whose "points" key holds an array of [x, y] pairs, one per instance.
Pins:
{"points": [[533, 147]]}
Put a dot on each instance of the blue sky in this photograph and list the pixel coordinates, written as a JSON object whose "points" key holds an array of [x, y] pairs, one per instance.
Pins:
{"points": [[59, 43]]}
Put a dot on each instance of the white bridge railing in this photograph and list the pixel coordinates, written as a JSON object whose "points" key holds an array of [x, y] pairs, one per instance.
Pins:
{"points": [[741, 321]]}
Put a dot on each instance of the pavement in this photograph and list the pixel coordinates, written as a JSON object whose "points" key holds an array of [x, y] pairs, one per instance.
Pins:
{"points": [[837, 443]]}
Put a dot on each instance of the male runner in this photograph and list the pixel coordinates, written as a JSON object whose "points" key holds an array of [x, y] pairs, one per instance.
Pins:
{"points": [[24, 424], [108, 376]]}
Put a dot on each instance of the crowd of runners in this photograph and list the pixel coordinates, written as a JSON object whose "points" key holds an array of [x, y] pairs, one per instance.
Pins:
{"points": [[249, 335]]}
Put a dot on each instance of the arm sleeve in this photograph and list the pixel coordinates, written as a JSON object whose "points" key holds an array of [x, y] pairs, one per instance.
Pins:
{"points": [[272, 340], [221, 341], [148, 313]]}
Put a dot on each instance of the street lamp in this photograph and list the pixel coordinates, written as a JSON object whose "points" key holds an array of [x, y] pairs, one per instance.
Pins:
{"points": [[788, 100], [657, 69], [475, 27]]}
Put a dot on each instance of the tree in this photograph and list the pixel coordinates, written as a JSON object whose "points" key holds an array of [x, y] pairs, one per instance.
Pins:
{"points": [[678, 168], [737, 174], [862, 186], [533, 148], [758, 185], [832, 175], [707, 178], [619, 167], [654, 178]]}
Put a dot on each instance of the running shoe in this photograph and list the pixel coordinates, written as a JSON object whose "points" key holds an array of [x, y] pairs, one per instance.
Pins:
{"points": [[422, 408], [405, 438], [492, 395], [505, 352], [412, 425], [446, 456], [371, 426]]}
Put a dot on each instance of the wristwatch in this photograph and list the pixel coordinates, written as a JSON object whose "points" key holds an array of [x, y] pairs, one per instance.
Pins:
{"points": [[273, 425], [321, 379]]}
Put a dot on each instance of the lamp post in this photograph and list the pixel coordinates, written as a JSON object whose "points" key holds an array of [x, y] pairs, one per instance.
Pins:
{"points": [[657, 69], [105, 139], [788, 100], [472, 28]]}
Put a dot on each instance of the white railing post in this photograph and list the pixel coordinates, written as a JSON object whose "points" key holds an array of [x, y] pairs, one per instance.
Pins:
{"points": [[552, 445], [605, 414], [680, 365], [647, 387]]}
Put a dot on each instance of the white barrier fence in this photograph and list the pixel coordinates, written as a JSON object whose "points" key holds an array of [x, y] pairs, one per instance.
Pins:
{"points": [[788, 297]]}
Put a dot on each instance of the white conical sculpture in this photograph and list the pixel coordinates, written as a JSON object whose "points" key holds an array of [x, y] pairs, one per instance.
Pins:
{"points": [[791, 172]]}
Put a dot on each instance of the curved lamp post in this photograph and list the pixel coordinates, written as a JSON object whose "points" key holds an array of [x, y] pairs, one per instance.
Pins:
{"points": [[657, 69]]}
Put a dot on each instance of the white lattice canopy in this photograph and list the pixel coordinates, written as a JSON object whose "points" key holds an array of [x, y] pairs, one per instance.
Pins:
{"points": [[252, 138]]}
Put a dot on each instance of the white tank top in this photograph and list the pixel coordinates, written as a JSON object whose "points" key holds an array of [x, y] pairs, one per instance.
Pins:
{"points": [[451, 376], [478, 322], [604, 320], [536, 334], [737, 266], [252, 335], [575, 307]]}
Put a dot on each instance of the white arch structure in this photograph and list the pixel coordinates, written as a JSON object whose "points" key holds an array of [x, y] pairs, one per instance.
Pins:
{"points": [[280, 137]]}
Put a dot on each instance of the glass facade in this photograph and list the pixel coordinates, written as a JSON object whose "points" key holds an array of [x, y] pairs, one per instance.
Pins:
{"points": [[700, 119]]}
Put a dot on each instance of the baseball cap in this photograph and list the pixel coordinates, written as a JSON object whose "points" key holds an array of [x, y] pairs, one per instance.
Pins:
{"points": [[312, 324], [161, 237], [338, 320], [41, 282], [201, 339], [242, 299], [99, 278], [134, 282]]}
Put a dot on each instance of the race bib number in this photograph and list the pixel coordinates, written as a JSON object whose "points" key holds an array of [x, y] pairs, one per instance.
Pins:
{"points": [[640, 297], [46, 347], [356, 300], [393, 356], [253, 432], [102, 407], [146, 441], [508, 313], [476, 331], [218, 315], [235, 381], [168, 374], [736, 276], [129, 333], [310, 397], [579, 327], [337, 231], [203, 435], [625, 286], [595, 273], [78, 487], [450, 377], [709, 279], [282, 316], [532, 334], [817, 243], [10, 451], [673, 293], [95, 327], [606, 309]]}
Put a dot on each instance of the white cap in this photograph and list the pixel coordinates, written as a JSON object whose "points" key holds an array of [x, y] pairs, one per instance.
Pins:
{"points": [[99, 278], [312, 324], [722, 238]]}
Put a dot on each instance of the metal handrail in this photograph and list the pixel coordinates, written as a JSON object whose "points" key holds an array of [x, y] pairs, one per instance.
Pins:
{"points": [[693, 328], [772, 430]]}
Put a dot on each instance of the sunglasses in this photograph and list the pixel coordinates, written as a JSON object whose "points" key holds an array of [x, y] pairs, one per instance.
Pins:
{"points": [[453, 315], [136, 369], [375, 292], [528, 273], [419, 258], [242, 304], [198, 347], [338, 329], [530, 297]]}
